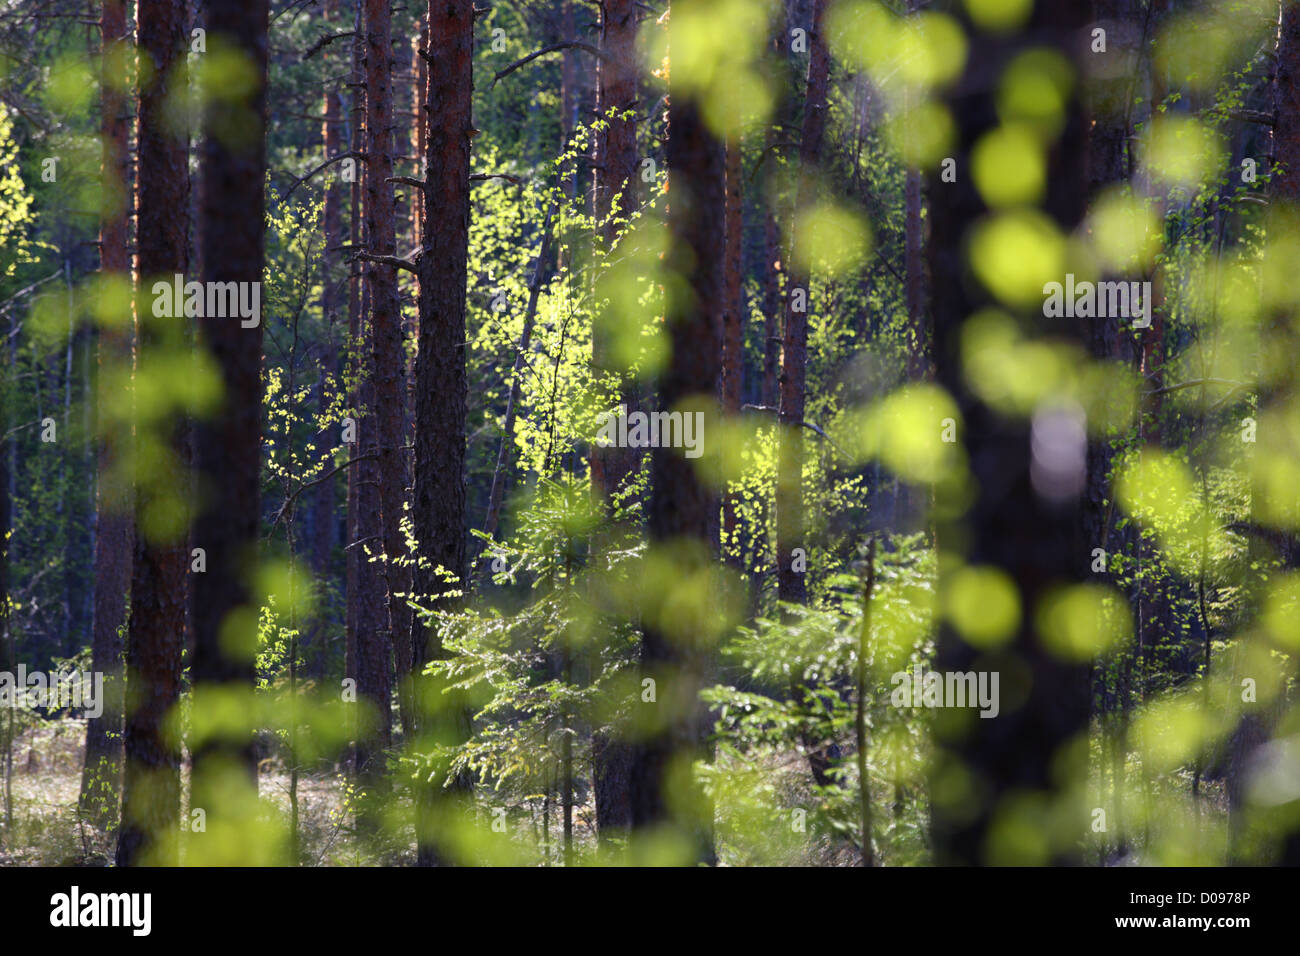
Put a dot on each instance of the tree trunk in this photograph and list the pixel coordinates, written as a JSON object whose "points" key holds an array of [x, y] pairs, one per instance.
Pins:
{"points": [[386, 340], [772, 310], [354, 557], [611, 467], [1010, 525], [441, 395], [228, 445], [791, 586], [733, 329], [151, 791], [115, 534], [680, 503]]}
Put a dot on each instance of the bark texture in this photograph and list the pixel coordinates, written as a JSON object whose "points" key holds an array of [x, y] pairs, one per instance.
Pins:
{"points": [[151, 785], [441, 392]]}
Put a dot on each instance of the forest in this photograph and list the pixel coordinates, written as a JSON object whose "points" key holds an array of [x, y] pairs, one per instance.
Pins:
{"points": [[749, 433]]}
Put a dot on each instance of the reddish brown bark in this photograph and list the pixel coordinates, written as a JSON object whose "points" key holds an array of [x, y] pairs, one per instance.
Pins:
{"points": [[614, 197], [115, 532], [228, 445], [441, 387], [419, 127], [772, 311], [789, 493], [151, 785], [386, 337]]}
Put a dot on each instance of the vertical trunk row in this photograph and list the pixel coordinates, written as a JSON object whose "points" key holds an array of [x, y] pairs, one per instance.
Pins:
{"points": [[228, 445], [115, 534], [151, 791], [1038, 543], [441, 388]]}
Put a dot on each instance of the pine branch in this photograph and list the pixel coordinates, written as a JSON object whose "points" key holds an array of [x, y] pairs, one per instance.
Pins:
{"points": [[397, 262], [553, 48]]}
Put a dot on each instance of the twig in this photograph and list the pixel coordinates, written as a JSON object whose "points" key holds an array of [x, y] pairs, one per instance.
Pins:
{"points": [[326, 41], [308, 175], [553, 48]]}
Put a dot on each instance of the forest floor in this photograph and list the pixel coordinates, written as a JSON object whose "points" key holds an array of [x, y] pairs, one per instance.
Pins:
{"points": [[49, 830]]}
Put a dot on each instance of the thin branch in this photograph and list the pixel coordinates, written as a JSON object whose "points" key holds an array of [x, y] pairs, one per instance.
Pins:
{"points": [[1253, 116], [397, 262], [1196, 383], [325, 165], [483, 177], [326, 41], [407, 181], [553, 48], [804, 422]]}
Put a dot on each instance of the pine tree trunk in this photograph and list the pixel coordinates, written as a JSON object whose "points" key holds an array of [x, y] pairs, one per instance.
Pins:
{"points": [[441, 393], [791, 586], [386, 339], [733, 329], [324, 499], [681, 504], [228, 445], [115, 534], [611, 467], [151, 788], [772, 311]]}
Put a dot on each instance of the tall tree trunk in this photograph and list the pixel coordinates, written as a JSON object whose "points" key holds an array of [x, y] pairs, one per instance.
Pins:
{"points": [[611, 467], [151, 791], [615, 198], [354, 557], [228, 445], [662, 793], [324, 500], [733, 328], [386, 339], [441, 394], [419, 126], [772, 311], [1010, 525], [789, 493], [791, 547], [115, 534]]}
